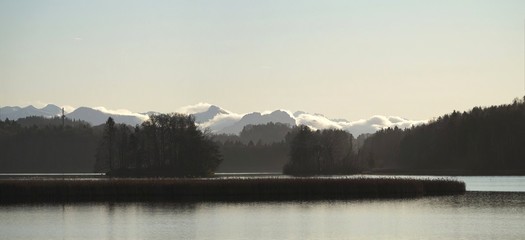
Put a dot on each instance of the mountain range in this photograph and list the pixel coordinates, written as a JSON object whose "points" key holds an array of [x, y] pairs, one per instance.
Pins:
{"points": [[215, 118]]}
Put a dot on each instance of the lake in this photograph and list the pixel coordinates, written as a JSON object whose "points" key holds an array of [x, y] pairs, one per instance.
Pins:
{"points": [[494, 208]]}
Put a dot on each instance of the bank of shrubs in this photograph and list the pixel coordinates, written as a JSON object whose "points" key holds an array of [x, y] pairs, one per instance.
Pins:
{"points": [[229, 189]]}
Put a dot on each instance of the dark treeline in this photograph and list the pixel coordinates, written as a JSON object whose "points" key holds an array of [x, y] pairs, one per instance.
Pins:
{"points": [[164, 145], [258, 148], [42, 145], [319, 152], [483, 140], [264, 133], [277, 147], [381, 149], [37, 144]]}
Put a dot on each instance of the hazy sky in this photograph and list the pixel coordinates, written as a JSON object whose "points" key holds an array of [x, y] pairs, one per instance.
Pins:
{"points": [[346, 59]]}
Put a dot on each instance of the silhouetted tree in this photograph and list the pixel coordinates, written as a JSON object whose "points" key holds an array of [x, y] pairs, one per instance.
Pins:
{"points": [[106, 153]]}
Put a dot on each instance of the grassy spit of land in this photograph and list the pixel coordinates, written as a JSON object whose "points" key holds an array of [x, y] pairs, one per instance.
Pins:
{"points": [[446, 172], [229, 189]]}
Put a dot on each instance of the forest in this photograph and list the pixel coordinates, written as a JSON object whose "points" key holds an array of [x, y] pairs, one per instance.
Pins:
{"points": [[41, 145], [488, 140]]}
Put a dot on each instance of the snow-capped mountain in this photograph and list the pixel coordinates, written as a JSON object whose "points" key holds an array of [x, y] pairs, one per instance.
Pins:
{"points": [[217, 119], [93, 116], [97, 117]]}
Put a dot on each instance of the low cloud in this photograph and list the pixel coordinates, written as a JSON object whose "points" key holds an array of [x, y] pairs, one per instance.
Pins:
{"points": [[370, 125], [196, 108], [221, 121], [123, 112], [379, 122], [316, 122]]}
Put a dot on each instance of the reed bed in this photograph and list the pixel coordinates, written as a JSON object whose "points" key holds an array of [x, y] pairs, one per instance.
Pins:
{"points": [[229, 189]]}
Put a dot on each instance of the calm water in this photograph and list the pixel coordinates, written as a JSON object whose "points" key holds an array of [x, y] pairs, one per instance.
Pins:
{"points": [[474, 215]]}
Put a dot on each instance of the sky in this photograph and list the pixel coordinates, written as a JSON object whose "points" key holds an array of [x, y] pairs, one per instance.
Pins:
{"points": [[345, 59]]}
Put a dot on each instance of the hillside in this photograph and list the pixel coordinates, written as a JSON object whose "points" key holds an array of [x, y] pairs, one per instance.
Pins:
{"points": [[487, 140]]}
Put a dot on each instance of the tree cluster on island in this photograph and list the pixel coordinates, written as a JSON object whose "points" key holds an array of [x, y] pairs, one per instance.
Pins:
{"points": [[164, 145]]}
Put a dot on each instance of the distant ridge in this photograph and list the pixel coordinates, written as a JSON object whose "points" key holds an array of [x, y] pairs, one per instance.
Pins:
{"points": [[216, 119], [14, 113], [97, 117], [52, 110], [258, 118], [90, 115]]}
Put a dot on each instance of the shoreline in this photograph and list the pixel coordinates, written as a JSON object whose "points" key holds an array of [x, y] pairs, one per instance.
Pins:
{"points": [[452, 173], [378, 172]]}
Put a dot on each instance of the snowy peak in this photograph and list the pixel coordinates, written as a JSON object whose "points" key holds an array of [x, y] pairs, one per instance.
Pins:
{"points": [[209, 114]]}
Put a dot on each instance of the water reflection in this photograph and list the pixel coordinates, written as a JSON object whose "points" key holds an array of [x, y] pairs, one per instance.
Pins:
{"points": [[494, 183], [474, 215]]}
